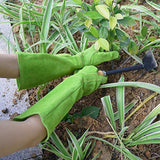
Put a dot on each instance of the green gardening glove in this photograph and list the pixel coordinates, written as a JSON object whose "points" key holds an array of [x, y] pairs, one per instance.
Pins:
{"points": [[56, 104], [36, 69]]}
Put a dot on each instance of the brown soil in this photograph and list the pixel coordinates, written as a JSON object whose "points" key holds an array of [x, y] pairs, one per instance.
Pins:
{"points": [[79, 125]]}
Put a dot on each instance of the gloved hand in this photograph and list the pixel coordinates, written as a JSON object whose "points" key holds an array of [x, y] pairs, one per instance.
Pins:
{"points": [[56, 104], [36, 69]]}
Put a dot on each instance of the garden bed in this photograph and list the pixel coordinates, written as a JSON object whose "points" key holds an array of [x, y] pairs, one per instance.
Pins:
{"points": [[99, 126]]}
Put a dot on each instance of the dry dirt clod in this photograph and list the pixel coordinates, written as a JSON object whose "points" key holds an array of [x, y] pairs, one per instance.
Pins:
{"points": [[33, 155], [14, 101], [13, 115], [5, 111], [148, 154], [16, 29]]}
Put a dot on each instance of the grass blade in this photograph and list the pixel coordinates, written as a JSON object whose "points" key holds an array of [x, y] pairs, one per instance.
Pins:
{"points": [[149, 129], [152, 115], [125, 151], [150, 141], [56, 152], [46, 25], [120, 103], [70, 145], [59, 144], [62, 11], [70, 38], [141, 9], [107, 105], [76, 144], [84, 42], [150, 44], [82, 139], [86, 148], [149, 86], [154, 5], [127, 108], [147, 139], [22, 32]]}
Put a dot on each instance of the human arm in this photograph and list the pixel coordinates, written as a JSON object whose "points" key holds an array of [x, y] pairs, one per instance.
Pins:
{"points": [[9, 66], [37, 123]]}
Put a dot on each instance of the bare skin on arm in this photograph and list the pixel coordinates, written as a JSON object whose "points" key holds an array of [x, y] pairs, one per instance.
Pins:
{"points": [[9, 66], [15, 136]]}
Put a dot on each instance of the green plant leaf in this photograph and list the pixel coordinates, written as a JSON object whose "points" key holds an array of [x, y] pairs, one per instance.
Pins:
{"points": [[103, 43], [122, 131], [141, 9], [76, 144], [91, 111], [103, 32], [88, 23], [149, 45], [70, 38], [127, 21], [97, 46], [93, 14], [132, 47], [112, 22], [154, 5], [56, 152], [121, 103], [122, 36], [79, 2], [108, 2], [84, 42], [115, 47], [96, 1], [144, 31], [123, 150], [59, 144], [70, 145], [149, 86], [127, 108], [152, 38], [94, 31], [62, 10], [107, 105], [152, 115], [118, 16], [82, 139], [147, 139], [147, 130], [103, 10], [46, 25], [130, 156]]}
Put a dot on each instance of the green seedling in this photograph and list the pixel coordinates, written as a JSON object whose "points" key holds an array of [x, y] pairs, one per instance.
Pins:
{"points": [[54, 22], [78, 149], [104, 23], [145, 133]]}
